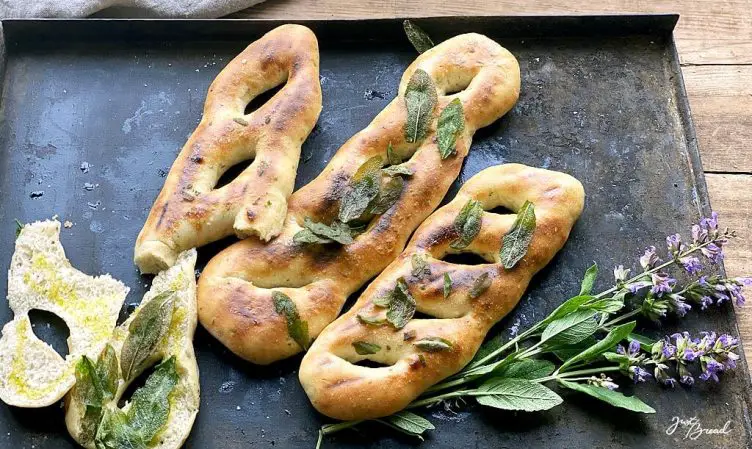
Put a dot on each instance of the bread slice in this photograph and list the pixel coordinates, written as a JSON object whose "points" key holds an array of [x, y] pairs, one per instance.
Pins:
{"points": [[177, 341], [32, 374]]}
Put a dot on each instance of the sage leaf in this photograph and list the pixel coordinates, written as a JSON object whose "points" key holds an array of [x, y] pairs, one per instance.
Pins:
{"points": [[320, 233], [646, 343], [451, 123], [566, 352], [433, 344], [357, 198], [388, 196], [447, 285], [589, 280], [420, 40], [467, 224], [371, 321], [616, 335], [307, 236], [90, 393], [420, 101], [530, 369], [493, 344], [365, 348], [567, 307], [516, 394], [606, 305], [402, 306], [240, 121], [480, 285], [144, 333], [571, 328], [515, 243], [296, 328], [420, 266], [398, 170], [107, 371], [408, 422], [614, 398], [19, 227]]}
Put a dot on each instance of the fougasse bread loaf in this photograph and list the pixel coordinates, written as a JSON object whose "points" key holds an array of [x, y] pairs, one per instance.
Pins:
{"points": [[190, 211], [32, 374], [266, 301], [161, 412], [461, 302]]}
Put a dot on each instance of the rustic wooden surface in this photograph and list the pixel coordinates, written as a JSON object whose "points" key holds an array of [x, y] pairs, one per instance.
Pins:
{"points": [[715, 46]]}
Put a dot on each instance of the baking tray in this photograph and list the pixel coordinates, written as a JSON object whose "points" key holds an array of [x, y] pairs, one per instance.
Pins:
{"points": [[602, 98]]}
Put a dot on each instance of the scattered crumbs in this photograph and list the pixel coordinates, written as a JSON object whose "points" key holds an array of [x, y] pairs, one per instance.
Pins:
{"points": [[68, 224], [288, 412], [237, 408], [85, 167], [94, 206], [36, 194], [196, 70], [55, 217], [373, 94], [88, 186], [162, 172], [227, 387], [169, 64]]}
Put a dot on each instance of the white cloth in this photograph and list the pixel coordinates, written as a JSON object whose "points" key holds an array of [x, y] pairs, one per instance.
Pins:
{"points": [[122, 8]]}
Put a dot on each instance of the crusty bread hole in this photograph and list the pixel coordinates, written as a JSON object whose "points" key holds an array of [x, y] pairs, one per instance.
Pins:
{"points": [[51, 329], [263, 97]]}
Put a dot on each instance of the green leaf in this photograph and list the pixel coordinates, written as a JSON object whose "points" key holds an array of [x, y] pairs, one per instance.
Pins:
{"points": [[433, 344], [467, 224], [571, 328], [616, 335], [606, 305], [402, 306], [371, 321], [19, 227], [451, 123], [398, 170], [420, 40], [388, 196], [480, 285], [515, 243], [408, 422], [645, 342], [530, 369], [145, 332], [296, 328], [107, 371], [147, 415], [447, 285], [90, 393], [365, 348], [320, 233], [589, 280], [420, 266], [566, 352], [567, 307], [420, 101], [359, 196], [516, 394], [610, 397]]}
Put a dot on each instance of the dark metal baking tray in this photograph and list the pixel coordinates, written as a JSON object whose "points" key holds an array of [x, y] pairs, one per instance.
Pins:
{"points": [[602, 98]]}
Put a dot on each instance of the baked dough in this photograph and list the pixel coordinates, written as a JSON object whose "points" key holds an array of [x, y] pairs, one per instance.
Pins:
{"points": [[190, 211], [339, 388], [235, 290]]}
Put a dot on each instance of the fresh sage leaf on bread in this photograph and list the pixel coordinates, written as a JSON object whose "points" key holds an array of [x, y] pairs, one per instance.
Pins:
{"points": [[420, 266], [515, 243], [365, 348], [433, 344], [467, 224], [517, 394], [451, 123], [313, 232], [420, 40], [388, 196], [398, 170], [610, 397], [95, 385], [420, 100], [401, 307], [447, 285], [296, 328], [409, 423], [480, 285], [147, 415], [363, 188], [144, 333], [371, 320]]}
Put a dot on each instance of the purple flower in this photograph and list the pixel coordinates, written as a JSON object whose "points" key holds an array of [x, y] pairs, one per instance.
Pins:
{"points": [[744, 281], [713, 252], [691, 264], [726, 341], [638, 374], [679, 305], [634, 348], [620, 350], [710, 224], [621, 273], [668, 350], [634, 287], [705, 301], [662, 283], [730, 359], [649, 259], [687, 380], [689, 354], [675, 245], [603, 381], [710, 370], [703, 281], [699, 235]]}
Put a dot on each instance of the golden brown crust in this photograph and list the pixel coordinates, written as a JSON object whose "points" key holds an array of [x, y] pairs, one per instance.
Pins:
{"points": [[234, 292], [340, 389], [189, 211]]}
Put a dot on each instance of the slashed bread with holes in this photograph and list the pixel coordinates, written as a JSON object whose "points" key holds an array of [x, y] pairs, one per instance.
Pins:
{"points": [[179, 281], [423, 351], [32, 374], [191, 211], [236, 289]]}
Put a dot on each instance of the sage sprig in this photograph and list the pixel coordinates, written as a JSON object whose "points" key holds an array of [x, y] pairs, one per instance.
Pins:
{"points": [[590, 337], [467, 224], [144, 333], [420, 101], [96, 384], [450, 126], [515, 242], [419, 38], [296, 327]]}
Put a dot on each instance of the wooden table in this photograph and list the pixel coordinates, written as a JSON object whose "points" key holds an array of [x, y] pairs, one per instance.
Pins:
{"points": [[715, 46]]}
